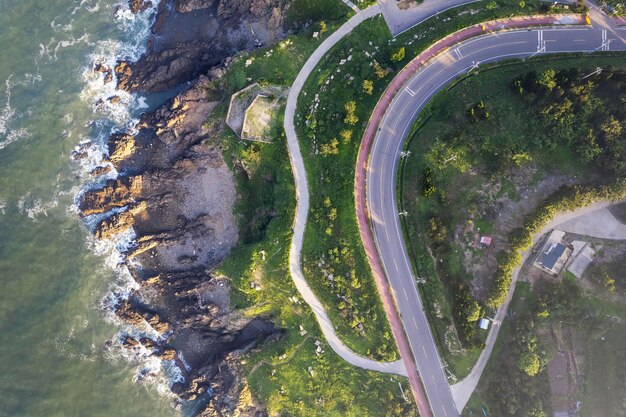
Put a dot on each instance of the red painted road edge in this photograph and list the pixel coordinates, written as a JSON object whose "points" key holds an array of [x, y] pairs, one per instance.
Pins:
{"points": [[361, 173]]}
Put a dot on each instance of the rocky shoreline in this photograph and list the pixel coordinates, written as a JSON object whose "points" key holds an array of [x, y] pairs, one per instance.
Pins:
{"points": [[177, 194]]}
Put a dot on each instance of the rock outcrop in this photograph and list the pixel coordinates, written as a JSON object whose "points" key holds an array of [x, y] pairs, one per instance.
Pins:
{"points": [[177, 194], [214, 30], [138, 6]]}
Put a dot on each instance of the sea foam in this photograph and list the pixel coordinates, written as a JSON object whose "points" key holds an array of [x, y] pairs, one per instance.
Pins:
{"points": [[111, 116]]}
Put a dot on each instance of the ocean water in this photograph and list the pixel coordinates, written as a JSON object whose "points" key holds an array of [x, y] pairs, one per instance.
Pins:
{"points": [[55, 281]]}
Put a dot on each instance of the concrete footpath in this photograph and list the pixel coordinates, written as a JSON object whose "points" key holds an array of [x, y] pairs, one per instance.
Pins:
{"points": [[302, 205]]}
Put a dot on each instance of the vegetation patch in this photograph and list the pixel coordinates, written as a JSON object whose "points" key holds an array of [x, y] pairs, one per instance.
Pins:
{"points": [[332, 113], [561, 348], [497, 155], [298, 375]]}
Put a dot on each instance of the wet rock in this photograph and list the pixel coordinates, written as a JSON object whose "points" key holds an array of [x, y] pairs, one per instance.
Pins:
{"points": [[167, 354], [186, 6], [114, 100], [136, 315], [97, 171], [120, 222], [129, 342], [115, 194], [148, 343], [124, 73], [138, 6], [121, 147]]}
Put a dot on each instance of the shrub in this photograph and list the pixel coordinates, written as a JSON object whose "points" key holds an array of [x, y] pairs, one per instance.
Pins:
{"points": [[398, 55], [368, 87], [351, 117], [520, 239]]}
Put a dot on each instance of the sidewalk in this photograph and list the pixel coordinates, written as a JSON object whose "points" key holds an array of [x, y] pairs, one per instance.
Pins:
{"points": [[302, 204]]}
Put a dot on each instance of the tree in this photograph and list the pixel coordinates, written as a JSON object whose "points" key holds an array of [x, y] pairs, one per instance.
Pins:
{"points": [[522, 4], [611, 128], [368, 87], [351, 117], [443, 155], [398, 55], [589, 148], [529, 362], [547, 79], [492, 5], [323, 27]]}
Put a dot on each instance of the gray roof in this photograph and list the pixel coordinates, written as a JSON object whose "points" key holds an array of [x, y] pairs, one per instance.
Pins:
{"points": [[549, 258]]}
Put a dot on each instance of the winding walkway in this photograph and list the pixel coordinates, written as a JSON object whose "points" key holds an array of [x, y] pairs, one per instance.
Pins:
{"points": [[566, 221], [302, 205]]}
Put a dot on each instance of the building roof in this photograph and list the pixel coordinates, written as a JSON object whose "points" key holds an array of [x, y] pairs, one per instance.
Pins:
{"points": [[485, 240], [552, 255], [483, 323]]}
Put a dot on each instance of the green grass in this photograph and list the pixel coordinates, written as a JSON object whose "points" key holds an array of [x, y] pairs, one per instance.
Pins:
{"points": [[265, 210], [300, 12], [332, 176]]}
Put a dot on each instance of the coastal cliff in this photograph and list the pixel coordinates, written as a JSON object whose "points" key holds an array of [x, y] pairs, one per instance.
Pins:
{"points": [[177, 194], [213, 30]]}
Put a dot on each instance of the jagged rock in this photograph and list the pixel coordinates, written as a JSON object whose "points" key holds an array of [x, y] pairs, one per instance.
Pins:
{"points": [[138, 6], [186, 6], [275, 21], [129, 342], [136, 316], [97, 171], [148, 343], [119, 222], [121, 147], [125, 79], [115, 194], [114, 99], [167, 354]]}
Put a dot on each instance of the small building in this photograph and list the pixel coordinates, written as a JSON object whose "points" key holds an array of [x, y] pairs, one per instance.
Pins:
{"points": [[554, 254], [483, 323], [485, 240], [254, 110]]}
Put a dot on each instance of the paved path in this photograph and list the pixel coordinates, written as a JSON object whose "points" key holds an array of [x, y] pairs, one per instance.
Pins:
{"points": [[462, 391], [388, 128], [302, 206], [600, 223], [351, 5]]}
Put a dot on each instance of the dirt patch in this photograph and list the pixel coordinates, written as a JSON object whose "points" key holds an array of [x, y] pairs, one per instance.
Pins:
{"points": [[407, 4], [501, 207]]}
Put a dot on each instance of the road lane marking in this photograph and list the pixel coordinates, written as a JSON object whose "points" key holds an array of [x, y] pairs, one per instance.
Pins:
{"points": [[396, 265], [411, 92], [424, 349], [405, 295], [444, 408], [458, 53]]}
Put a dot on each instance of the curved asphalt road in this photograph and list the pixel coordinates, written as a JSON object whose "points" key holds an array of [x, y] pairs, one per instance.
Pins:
{"points": [[384, 159]]}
